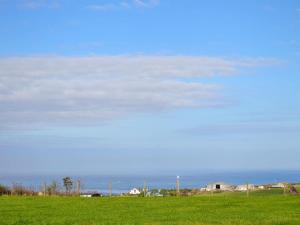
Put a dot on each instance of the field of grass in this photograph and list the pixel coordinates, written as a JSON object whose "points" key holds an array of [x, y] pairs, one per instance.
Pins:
{"points": [[270, 208]]}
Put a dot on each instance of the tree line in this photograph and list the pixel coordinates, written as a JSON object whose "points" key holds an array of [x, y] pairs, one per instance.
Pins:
{"points": [[55, 188]]}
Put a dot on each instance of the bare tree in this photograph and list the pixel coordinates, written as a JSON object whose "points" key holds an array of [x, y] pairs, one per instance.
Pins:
{"points": [[53, 188]]}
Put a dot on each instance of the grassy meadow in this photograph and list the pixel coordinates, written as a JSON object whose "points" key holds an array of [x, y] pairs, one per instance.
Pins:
{"points": [[264, 207]]}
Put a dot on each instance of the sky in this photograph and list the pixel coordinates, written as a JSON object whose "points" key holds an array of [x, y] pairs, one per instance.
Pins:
{"points": [[149, 86]]}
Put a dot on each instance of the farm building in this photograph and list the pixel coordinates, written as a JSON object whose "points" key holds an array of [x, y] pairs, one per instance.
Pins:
{"points": [[134, 191], [89, 195], [278, 185], [86, 195], [244, 187], [219, 186]]}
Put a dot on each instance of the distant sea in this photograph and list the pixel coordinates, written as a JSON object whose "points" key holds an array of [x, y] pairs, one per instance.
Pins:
{"points": [[120, 184]]}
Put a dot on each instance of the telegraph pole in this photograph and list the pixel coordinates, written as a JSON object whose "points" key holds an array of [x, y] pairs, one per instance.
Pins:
{"points": [[145, 188], [177, 186], [78, 187], [247, 189], [110, 188], [44, 188]]}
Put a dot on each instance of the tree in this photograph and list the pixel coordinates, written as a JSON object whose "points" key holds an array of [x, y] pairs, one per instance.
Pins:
{"points": [[4, 190], [53, 188], [68, 184]]}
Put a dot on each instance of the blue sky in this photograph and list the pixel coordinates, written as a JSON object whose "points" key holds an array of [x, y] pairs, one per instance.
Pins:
{"points": [[137, 86]]}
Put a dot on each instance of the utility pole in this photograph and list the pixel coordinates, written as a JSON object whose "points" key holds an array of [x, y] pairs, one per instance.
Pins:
{"points": [[145, 188], [78, 187], [110, 188], [177, 186], [247, 189], [44, 188]]}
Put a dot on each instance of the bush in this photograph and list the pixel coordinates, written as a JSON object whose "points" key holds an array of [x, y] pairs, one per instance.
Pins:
{"points": [[4, 190], [18, 189]]}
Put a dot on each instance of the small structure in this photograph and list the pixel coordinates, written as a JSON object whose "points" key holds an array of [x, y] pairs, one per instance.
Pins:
{"points": [[278, 185], [86, 195], [134, 191], [245, 187], [90, 195], [219, 186], [158, 195]]}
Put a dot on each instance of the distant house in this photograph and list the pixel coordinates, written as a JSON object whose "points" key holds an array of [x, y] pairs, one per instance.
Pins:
{"points": [[134, 191], [89, 195], [279, 185], [219, 186], [158, 195], [244, 187], [86, 195]]}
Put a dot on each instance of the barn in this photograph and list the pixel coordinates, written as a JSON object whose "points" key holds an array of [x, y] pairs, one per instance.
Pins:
{"points": [[219, 186], [245, 187]]}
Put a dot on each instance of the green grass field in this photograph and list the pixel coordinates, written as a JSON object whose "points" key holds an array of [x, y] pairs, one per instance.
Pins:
{"points": [[230, 209]]}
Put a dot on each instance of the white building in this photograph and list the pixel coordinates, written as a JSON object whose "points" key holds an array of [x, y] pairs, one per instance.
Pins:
{"points": [[219, 186], [134, 191], [279, 185], [86, 195], [244, 187]]}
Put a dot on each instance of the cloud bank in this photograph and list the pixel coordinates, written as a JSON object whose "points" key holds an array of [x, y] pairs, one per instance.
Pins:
{"points": [[241, 128], [95, 89]]}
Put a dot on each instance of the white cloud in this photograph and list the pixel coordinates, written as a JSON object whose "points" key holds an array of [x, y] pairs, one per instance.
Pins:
{"points": [[146, 3], [124, 5], [103, 7], [100, 88], [242, 128], [36, 4]]}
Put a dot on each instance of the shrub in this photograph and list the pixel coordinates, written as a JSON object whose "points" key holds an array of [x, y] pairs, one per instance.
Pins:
{"points": [[4, 190]]}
